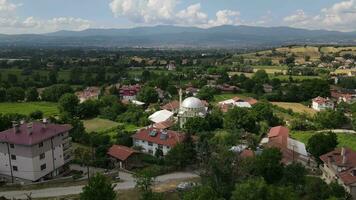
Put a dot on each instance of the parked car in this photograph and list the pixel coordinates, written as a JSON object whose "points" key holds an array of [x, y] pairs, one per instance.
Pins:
{"points": [[186, 186]]}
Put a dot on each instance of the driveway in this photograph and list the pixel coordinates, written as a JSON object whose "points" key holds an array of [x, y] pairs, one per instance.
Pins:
{"points": [[128, 183]]}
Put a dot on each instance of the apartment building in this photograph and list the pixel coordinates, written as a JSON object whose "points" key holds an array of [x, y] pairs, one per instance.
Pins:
{"points": [[32, 151]]}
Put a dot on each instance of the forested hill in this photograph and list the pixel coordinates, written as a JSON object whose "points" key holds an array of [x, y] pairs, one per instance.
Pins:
{"points": [[180, 37]]}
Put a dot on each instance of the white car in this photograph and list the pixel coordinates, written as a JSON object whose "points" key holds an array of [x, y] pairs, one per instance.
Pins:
{"points": [[186, 186]]}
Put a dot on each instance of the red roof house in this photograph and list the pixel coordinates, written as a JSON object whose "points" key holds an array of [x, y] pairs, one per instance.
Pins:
{"points": [[123, 155]]}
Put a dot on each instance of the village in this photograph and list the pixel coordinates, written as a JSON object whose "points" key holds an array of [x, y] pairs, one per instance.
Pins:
{"points": [[160, 121]]}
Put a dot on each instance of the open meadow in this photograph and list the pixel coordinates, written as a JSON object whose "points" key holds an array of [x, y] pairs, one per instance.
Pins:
{"points": [[345, 140], [296, 107], [25, 108]]}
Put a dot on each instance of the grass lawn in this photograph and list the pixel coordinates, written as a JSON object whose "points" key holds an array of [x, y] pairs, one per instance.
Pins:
{"points": [[345, 140], [296, 107], [48, 108], [99, 125]]}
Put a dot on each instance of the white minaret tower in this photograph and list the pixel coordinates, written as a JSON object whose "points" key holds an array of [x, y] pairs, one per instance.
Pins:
{"points": [[180, 108]]}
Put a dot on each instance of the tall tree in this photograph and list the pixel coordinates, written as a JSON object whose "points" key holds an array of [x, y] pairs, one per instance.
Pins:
{"points": [[98, 188]]}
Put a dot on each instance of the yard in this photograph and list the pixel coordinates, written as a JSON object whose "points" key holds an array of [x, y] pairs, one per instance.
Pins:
{"points": [[99, 125], [296, 107], [345, 140], [48, 108]]}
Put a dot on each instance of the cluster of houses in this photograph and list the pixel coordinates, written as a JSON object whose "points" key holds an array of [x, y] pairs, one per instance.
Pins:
{"points": [[337, 96]]}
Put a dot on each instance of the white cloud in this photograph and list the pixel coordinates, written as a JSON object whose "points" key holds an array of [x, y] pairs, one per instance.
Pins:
{"points": [[192, 15], [6, 6], [226, 17], [164, 12], [11, 23], [144, 11], [340, 16]]}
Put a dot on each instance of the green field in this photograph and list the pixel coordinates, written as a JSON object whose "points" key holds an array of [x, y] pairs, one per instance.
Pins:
{"points": [[345, 140], [99, 125], [48, 108], [296, 107]]}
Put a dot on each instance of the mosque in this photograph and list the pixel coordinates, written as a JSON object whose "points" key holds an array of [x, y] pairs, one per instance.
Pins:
{"points": [[190, 107]]}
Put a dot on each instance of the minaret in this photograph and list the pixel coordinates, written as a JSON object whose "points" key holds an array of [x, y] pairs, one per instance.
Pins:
{"points": [[180, 98], [180, 108]]}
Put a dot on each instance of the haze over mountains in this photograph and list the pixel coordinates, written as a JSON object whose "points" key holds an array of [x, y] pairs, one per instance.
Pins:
{"points": [[180, 37]]}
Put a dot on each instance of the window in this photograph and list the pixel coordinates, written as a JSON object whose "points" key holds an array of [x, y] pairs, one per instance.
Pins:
{"points": [[160, 146], [42, 156], [43, 167], [13, 157], [150, 144], [40, 144], [12, 146], [15, 168]]}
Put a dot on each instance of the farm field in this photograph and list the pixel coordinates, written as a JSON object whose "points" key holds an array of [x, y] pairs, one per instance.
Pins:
{"points": [[296, 107], [25, 108], [99, 125], [345, 140], [226, 96]]}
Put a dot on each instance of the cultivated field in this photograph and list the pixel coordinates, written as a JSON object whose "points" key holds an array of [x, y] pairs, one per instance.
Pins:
{"points": [[296, 107], [345, 140], [49, 109]]}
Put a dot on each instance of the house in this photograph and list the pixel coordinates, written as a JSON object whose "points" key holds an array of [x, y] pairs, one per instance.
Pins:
{"points": [[344, 95], [267, 88], [191, 90], [164, 125], [89, 93], [234, 102], [320, 103], [227, 88], [150, 139], [292, 150], [33, 151], [340, 165], [171, 66], [161, 116], [123, 157], [129, 92], [172, 106]]}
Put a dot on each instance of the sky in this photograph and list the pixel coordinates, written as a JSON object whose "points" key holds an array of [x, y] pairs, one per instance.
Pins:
{"points": [[43, 16]]}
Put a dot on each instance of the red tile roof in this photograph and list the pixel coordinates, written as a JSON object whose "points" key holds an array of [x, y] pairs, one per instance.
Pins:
{"points": [[173, 105], [164, 125], [39, 133], [247, 153], [348, 162], [279, 134], [172, 139], [121, 152], [251, 101]]}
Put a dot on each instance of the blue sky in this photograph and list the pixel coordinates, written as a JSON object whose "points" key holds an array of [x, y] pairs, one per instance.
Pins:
{"points": [[40, 16]]}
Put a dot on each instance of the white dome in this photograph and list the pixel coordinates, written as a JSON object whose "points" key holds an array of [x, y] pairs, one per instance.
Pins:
{"points": [[192, 102]]}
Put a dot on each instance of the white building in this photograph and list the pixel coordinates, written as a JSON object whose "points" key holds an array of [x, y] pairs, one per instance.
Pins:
{"points": [[161, 116], [151, 139], [320, 103], [189, 108], [34, 150]]}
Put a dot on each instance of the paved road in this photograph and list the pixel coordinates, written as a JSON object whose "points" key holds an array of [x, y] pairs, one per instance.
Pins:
{"points": [[339, 131], [128, 183]]}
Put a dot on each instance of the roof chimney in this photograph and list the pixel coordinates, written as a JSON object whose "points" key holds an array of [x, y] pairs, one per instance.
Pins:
{"points": [[16, 126], [29, 128], [44, 122], [343, 154]]}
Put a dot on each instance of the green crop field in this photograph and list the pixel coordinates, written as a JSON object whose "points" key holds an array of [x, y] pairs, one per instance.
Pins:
{"points": [[345, 140], [99, 125], [296, 107], [49, 109]]}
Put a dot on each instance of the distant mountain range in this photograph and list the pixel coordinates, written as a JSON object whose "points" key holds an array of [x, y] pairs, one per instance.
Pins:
{"points": [[180, 37]]}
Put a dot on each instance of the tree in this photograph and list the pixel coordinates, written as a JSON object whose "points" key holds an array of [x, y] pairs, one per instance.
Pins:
{"points": [[182, 154], [207, 93], [240, 118], [201, 193], [322, 143], [36, 114], [52, 76], [68, 103], [148, 95], [294, 175], [269, 166], [144, 181], [88, 109], [14, 94], [264, 112], [2, 94], [261, 77], [196, 125], [31, 94], [98, 188], [54, 92], [329, 119]]}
